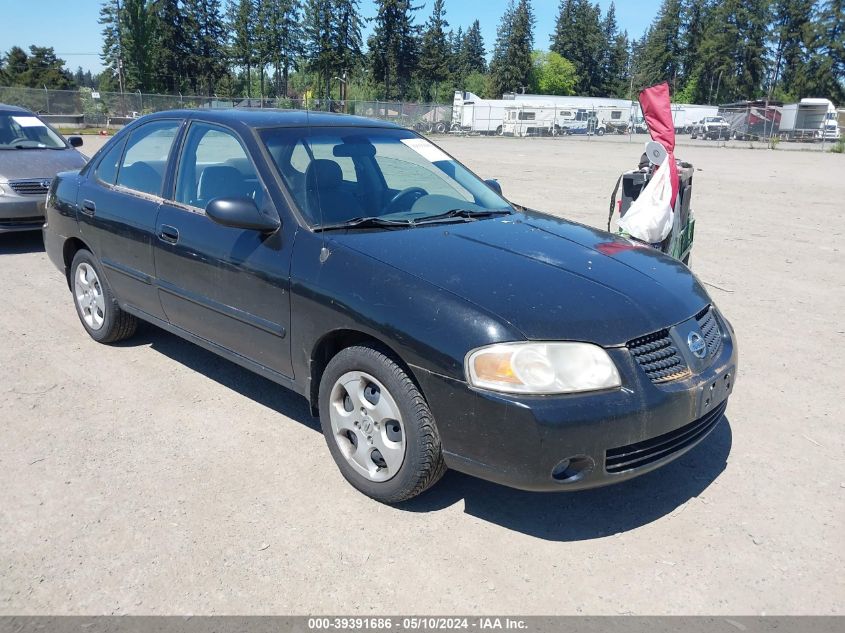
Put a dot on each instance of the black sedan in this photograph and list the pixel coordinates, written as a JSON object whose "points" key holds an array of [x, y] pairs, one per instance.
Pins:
{"points": [[429, 322]]}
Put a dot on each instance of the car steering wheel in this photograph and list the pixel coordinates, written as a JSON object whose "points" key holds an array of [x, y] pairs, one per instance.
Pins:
{"points": [[408, 192], [21, 139]]}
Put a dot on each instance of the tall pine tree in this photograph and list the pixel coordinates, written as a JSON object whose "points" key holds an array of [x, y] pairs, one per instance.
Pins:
{"points": [[393, 48], [435, 53], [511, 66]]}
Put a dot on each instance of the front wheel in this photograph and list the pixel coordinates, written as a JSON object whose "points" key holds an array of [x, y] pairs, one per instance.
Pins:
{"points": [[95, 304], [378, 426]]}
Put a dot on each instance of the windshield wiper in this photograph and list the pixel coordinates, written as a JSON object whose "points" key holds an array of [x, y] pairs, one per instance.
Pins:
{"points": [[364, 223], [462, 213]]}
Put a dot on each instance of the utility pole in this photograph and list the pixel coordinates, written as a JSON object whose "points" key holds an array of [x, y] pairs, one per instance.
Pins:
{"points": [[120, 58]]}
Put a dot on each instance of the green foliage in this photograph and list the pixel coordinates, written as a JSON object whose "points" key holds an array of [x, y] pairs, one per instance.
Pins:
{"points": [[551, 74], [578, 37], [40, 69], [435, 52], [393, 47], [838, 147], [479, 83], [510, 68]]}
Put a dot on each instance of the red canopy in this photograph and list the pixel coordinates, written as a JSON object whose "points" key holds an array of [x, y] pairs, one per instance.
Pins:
{"points": [[657, 111]]}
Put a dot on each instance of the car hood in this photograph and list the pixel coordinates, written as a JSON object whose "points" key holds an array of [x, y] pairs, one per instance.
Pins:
{"points": [[550, 278], [19, 164]]}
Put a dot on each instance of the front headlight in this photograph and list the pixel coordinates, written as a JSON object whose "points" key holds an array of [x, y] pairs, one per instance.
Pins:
{"points": [[541, 368]]}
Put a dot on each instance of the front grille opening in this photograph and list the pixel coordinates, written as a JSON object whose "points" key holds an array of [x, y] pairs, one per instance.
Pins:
{"points": [[29, 187], [633, 456], [710, 330], [12, 223], [658, 356]]}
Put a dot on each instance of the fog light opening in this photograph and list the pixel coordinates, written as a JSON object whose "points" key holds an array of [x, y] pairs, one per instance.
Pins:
{"points": [[572, 469]]}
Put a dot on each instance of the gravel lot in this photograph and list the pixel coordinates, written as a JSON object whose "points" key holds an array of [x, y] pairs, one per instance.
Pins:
{"points": [[154, 477]]}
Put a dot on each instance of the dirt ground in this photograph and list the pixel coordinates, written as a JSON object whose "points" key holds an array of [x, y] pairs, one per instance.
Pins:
{"points": [[153, 477]]}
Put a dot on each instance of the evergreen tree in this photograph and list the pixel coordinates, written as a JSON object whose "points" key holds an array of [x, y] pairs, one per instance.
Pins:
{"points": [[320, 50], [694, 14], [242, 47], [580, 38], [112, 53], [137, 28], [511, 66], [170, 47], [435, 52], [662, 52], [455, 43], [615, 68], [826, 68], [792, 37], [279, 39], [473, 57], [40, 68], [392, 45], [347, 39], [206, 37], [733, 52]]}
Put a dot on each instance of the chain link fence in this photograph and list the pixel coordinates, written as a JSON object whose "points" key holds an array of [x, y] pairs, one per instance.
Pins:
{"points": [[755, 121], [103, 109]]}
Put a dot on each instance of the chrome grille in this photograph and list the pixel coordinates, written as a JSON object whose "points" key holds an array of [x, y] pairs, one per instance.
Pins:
{"points": [[658, 356], [710, 330], [37, 187]]}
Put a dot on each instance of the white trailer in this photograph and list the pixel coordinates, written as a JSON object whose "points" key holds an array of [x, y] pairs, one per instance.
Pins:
{"points": [[809, 120], [471, 113], [544, 119]]}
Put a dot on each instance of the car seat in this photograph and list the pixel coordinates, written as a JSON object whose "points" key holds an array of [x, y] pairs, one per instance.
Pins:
{"points": [[325, 199]]}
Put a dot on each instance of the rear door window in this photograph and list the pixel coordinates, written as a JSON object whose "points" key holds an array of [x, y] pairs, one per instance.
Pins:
{"points": [[145, 160]]}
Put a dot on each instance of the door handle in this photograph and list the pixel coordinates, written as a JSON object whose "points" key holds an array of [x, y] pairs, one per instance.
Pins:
{"points": [[169, 234], [88, 207]]}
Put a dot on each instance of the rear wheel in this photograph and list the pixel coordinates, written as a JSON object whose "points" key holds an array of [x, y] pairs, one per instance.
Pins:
{"points": [[95, 304], [378, 426]]}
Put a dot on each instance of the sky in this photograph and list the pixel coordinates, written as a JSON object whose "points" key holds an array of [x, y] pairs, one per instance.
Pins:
{"points": [[70, 26]]}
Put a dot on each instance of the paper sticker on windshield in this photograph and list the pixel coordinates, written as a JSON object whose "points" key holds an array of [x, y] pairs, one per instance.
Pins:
{"points": [[28, 121], [425, 149]]}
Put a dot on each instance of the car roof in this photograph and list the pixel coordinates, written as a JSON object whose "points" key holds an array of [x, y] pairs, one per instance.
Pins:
{"points": [[271, 117], [15, 109]]}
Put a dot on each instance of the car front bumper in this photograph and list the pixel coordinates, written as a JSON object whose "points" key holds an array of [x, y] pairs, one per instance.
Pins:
{"points": [[20, 212], [607, 437]]}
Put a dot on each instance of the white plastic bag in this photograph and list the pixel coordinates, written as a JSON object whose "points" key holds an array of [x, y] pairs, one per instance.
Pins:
{"points": [[650, 216]]}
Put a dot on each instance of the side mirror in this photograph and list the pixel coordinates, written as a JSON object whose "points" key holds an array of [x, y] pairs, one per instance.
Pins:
{"points": [[240, 213], [494, 185], [75, 141]]}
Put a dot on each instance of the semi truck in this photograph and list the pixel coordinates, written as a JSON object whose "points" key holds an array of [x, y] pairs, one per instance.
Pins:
{"points": [[809, 120]]}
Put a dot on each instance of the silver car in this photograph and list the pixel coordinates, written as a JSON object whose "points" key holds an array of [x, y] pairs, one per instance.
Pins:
{"points": [[31, 153]]}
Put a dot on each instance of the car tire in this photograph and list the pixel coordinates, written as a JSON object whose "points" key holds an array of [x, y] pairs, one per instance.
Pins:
{"points": [[95, 302], [368, 405]]}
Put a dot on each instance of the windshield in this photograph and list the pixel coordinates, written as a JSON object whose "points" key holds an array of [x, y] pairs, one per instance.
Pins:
{"points": [[340, 174], [25, 131], [715, 119]]}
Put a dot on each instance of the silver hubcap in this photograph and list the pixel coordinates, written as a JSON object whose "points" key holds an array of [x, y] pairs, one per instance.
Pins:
{"points": [[89, 296], [367, 426]]}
